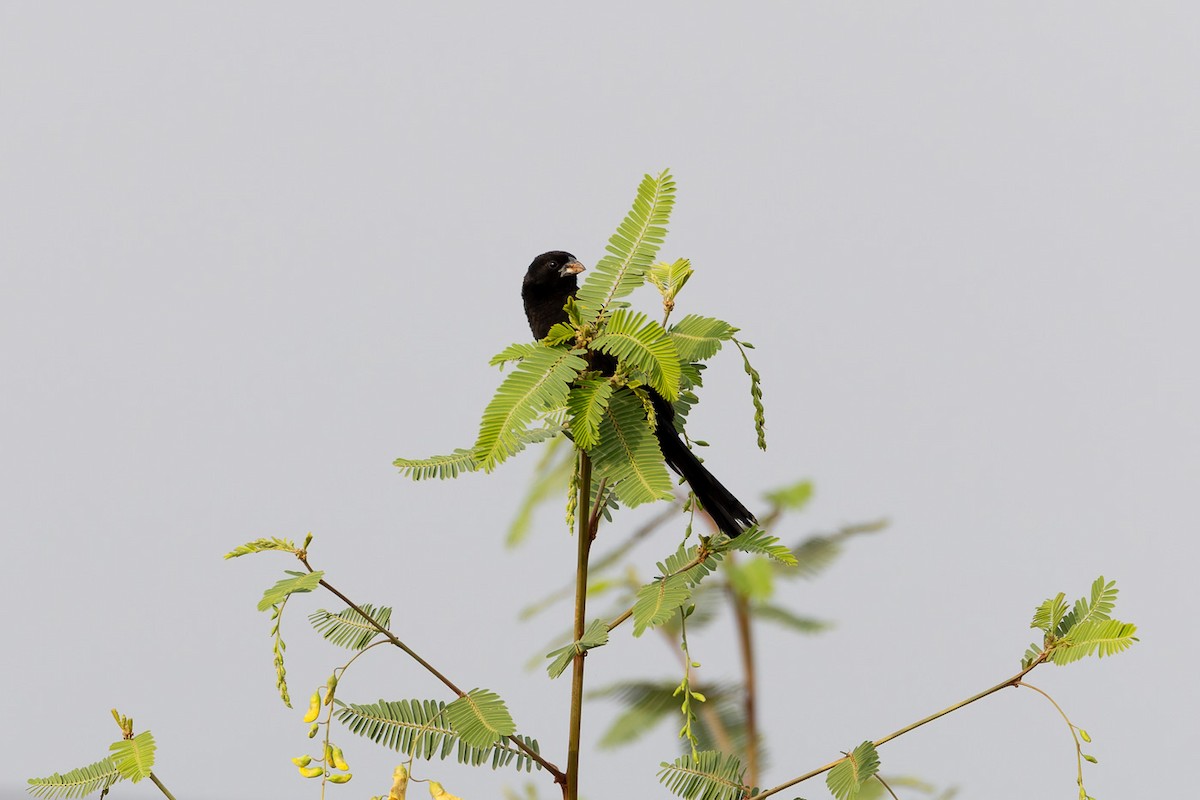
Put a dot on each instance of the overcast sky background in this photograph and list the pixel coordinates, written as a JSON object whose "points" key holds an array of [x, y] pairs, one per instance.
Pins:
{"points": [[252, 252]]}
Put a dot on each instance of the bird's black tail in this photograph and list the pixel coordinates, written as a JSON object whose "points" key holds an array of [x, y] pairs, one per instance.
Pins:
{"points": [[726, 510]]}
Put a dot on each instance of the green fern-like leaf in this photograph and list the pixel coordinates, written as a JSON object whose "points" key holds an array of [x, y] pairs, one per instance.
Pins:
{"points": [[262, 546], [596, 635], [480, 718], [79, 782], [299, 582], [551, 476], [631, 249], [585, 407], [441, 467], [709, 776], [789, 619], [1047, 616], [1087, 609], [134, 758], [639, 342], [1104, 637], [699, 338], [756, 540], [514, 352], [628, 456], [658, 600], [760, 419], [348, 628], [538, 384], [419, 728], [846, 779], [791, 498]]}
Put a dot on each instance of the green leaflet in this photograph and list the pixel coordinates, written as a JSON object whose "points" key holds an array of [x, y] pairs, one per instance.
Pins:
{"points": [[756, 540], [1098, 606], [419, 728], [631, 249], [539, 383], [658, 600], [627, 455], [788, 618], [699, 338], [262, 545], [480, 718], [348, 628], [514, 352], [460, 461], [1049, 614], [596, 635], [845, 780], [710, 776], [79, 782], [134, 758], [1105, 637], [639, 342], [299, 582], [585, 407]]}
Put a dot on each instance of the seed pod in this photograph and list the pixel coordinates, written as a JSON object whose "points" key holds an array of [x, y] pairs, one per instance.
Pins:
{"points": [[314, 706], [438, 793], [337, 759], [312, 772], [312, 731], [399, 783], [302, 761], [332, 684], [340, 778]]}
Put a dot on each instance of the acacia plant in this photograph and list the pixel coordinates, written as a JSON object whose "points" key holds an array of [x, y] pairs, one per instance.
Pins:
{"points": [[553, 393]]}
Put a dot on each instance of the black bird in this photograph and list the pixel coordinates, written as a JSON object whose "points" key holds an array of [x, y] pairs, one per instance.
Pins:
{"points": [[549, 281]]}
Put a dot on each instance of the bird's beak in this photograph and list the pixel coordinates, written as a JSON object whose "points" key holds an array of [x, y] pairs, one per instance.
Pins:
{"points": [[571, 268]]}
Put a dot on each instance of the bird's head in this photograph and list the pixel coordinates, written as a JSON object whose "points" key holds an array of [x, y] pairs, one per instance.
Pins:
{"points": [[556, 268]]}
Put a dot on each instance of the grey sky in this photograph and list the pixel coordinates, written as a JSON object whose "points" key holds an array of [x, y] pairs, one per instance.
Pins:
{"points": [[252, 252]]}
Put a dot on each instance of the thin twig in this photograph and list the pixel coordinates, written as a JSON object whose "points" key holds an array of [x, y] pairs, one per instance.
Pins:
{"points": [[559, 776], [1013, 681], [160, 786]]}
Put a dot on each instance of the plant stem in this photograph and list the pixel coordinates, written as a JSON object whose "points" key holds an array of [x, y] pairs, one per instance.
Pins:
{"points": [[584, 546], [1013, 681], [160, 786], [741, 616], [559, 776]]}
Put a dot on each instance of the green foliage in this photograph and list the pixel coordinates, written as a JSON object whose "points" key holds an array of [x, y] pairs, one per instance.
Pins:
{"points": [[646, 704], [753, 579], [846, 779], [596, 635], [551, 476], [299, 582], [585, 408], [641, 343], [760, 420], [441, 467], [658, 600], [816, 553], [791, 498], [348, 628], [669, 279], [539, 383], [480, 718], [98, 777], [756, 540], [628, 456], [631, 249], [711, 775], [699, 338], [1104, 637], [134, 758], [418, 728], [262, 546], [788, 619], [1084, 630], [514, 352]]}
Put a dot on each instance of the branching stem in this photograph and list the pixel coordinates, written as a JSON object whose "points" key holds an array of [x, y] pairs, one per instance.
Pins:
{"points": [[1015, 680], [559, 776]]}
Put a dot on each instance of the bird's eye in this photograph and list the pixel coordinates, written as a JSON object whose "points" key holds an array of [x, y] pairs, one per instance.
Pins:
{"points": [[551, 264]]}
